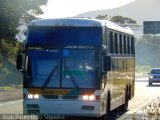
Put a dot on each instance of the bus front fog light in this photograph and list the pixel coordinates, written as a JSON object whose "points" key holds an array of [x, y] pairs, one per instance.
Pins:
{"points": [[36, 96], [30, 96]]}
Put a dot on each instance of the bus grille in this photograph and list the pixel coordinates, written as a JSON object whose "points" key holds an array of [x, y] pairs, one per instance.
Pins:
{"points": [[70, 97], [57, 97], [50, 96]]}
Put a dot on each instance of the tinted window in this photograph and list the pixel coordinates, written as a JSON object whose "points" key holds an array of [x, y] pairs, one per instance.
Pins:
{"points": [[110, 42], [125, 44], [128, 45], [121, 44], [116, 43], [155, 71], [132, 45], [55, 37]]}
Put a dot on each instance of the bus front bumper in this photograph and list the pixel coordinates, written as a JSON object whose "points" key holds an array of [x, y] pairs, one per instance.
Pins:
{"points": [[66, 108]]}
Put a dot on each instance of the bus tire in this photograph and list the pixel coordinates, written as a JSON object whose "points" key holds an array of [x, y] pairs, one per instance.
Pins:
{"points": [[108, 107], [124, 107], [104, 117], [130, 95]]}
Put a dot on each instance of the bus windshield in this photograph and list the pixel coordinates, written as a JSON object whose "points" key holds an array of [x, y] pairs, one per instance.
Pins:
{"points": [[78, 68], [67, 68]]}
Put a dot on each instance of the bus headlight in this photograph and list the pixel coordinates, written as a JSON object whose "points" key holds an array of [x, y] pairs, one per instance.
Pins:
{"points": [[88, 97], [30, 96], [91, 97], [85, 97], [36, 96]]}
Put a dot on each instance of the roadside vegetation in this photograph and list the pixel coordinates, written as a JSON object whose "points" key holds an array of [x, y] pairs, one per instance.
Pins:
{"points": [[150, 111], [14, 15], [142, 71]]}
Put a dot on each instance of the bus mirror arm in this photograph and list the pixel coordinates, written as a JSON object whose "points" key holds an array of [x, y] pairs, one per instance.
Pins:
{"points": [[104, 72]]}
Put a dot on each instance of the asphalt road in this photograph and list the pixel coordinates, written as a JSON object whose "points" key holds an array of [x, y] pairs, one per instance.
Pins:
{"points": [[143, 95]]}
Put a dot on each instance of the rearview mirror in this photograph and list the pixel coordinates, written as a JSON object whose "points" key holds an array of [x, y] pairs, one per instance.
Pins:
{"points": [[106, 63], [19, 62]]}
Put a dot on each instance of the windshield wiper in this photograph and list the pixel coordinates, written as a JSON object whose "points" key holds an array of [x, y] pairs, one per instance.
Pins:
{"points": [[53, 71], [71, 77]]}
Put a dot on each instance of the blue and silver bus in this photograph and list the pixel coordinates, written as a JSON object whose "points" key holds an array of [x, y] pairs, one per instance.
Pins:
{"points": [[77, 67]]}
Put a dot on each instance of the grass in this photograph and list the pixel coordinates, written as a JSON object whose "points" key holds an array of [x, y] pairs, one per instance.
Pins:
{"points": [[7, 88], [10, 87]]}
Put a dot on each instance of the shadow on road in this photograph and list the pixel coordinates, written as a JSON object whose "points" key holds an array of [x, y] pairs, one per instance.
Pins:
{"points": [[114, 115]]}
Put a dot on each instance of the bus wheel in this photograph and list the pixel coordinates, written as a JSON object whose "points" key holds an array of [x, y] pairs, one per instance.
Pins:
{"points": [[108, 104], [129, 95], [124, 107], [104, 117]]}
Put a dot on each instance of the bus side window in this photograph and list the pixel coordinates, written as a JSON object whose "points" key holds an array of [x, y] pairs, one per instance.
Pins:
{"points": [[110, 42], [125, 44], [116, 43], [104, 42], [121, 43], [132, 45], [129, 44]]}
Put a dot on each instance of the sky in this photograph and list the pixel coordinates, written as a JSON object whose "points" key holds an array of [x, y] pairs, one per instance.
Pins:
{"points": [[70, 8]]}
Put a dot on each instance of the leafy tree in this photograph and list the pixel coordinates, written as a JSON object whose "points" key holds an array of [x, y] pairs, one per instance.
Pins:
{"points": [[122, 20], [101, 17], [118, 19], [13, 14]]}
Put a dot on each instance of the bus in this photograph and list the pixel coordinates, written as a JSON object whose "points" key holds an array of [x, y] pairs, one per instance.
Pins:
{"points": [[77, 67]]}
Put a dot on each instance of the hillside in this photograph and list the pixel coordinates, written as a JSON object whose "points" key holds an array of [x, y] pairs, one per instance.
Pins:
{"points": [[139, 10]]}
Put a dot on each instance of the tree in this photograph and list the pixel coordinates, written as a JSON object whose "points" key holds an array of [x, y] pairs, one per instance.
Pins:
{"points": [[14, 13], [147, 50], [122, 20], [101, 17]]}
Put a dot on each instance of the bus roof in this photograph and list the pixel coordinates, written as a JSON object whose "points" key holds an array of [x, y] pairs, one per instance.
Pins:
{"points": [[80, 22]]}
